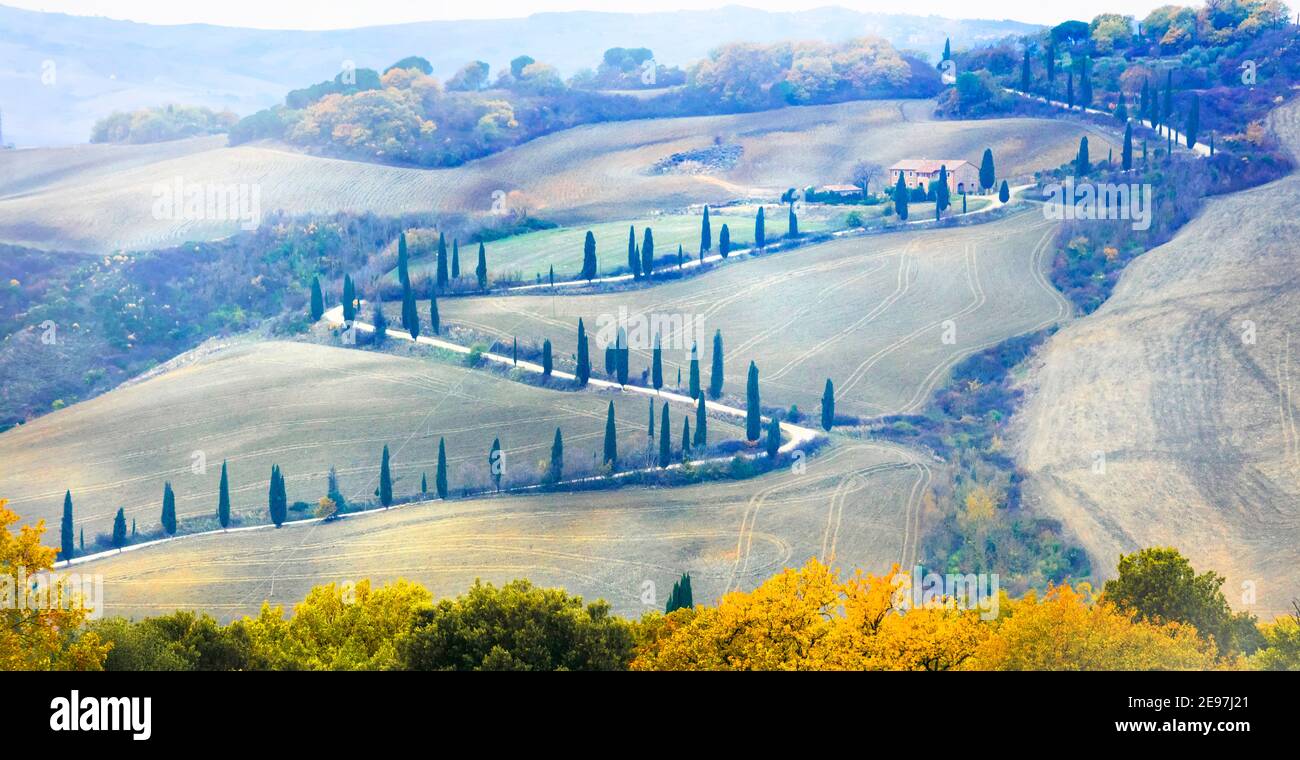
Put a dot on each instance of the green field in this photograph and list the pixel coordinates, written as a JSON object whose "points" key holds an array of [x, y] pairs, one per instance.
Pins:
{"points": [[857, 504], [869, 312], [305, 407], [531, 255]]}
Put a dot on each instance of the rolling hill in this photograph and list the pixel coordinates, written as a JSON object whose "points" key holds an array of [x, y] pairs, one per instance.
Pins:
{"points": [[305, 407], [1168, 416], [857, 504], [592, 173], [868, 312]]}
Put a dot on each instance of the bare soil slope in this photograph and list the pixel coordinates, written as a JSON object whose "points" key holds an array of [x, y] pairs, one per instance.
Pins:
{"points": [[1184, 386]]}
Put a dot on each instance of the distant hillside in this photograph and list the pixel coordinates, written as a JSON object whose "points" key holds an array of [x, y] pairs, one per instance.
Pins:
{"points": [[100, 65]]}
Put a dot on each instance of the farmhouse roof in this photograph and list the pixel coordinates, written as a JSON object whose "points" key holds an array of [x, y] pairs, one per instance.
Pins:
{"points": [[928, 165]]}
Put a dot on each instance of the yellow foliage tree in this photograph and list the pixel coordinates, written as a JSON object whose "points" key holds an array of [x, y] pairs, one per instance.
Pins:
{"points": [[36, 635], [1067, 629], [808, 619], [337, 627]]}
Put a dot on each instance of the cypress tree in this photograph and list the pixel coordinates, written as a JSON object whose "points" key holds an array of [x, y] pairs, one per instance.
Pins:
{"points": [[724, 241], [715, 373], [706, 234], [403, 271], [277, 498], [611, 440], [546, 359], [947, 49], [514, 352], [480, 270], [611, 359], [65, 528], [455, 259], [381, 322], [496, 463], [1167, 110], [657, 364], [650, 423], [1069, 90], [1121, 109], [169, 509], [133, 531], [701, 425], [695, 372], [648, 253], [317, 300], [760, 234], [1126, 155], [753, 414], [686, 438], [1004, 192], [792, 224], [1144, 105], [223, 498], [1025, 77], [385, 480], [988, 175], [441, 282], [687, 597], [440, 475], [583, 372], [773, 438], [434, 320], [900, 198], [681, 256], [665, 440], [622, 356], [633, 255], [411, 314], [1085, 84], [424, 483], [556, 471], [119, 529], [828, 405], [1193, 121], [588, 258], [941, 196], [1049, 59], [349, 299], [551, 276], [82, 541], [1081, 163]]}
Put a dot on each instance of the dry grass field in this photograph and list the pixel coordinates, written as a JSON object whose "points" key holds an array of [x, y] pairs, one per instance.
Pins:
{"points": [[1168, 417], [532, 254], [857, 504], [592, 173], [872, 313], [305, 407]]}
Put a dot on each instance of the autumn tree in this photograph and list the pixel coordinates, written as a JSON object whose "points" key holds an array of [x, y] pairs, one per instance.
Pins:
{"points": [[36, 635]]}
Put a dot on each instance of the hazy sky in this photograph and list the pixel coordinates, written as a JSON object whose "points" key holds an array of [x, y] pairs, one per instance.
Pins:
{"points": [[341, 14]]}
